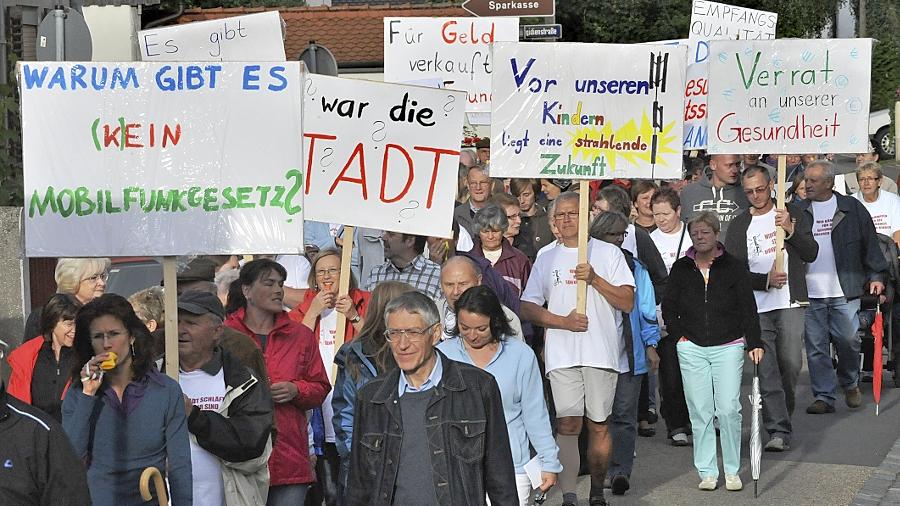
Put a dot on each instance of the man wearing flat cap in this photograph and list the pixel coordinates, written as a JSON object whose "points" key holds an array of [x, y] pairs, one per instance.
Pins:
{"points": [[229, 410], [483, 150]]}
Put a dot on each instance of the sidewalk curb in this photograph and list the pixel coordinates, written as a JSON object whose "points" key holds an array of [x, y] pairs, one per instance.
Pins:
{"points": [[883, 487]]}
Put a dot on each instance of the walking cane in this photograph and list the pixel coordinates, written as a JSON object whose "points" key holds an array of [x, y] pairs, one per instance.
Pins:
{"points": [[159, 484]]}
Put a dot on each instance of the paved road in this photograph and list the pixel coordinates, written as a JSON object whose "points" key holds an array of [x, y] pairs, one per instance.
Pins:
{"points": [[831, 458]]}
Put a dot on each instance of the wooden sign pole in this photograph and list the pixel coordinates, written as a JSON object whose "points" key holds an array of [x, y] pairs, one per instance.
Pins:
{"points": [[779, 196], [343, 289], [170, 302], [584, 199]]}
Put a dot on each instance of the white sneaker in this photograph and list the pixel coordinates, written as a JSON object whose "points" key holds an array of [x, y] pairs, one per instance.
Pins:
{"points": [[733, 482], [709, 483]]}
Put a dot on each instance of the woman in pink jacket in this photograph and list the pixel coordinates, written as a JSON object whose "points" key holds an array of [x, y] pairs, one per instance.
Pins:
{"points": [[297, 375]]}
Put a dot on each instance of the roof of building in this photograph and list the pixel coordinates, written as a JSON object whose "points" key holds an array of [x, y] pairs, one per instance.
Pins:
{"points": [[354, 33]]}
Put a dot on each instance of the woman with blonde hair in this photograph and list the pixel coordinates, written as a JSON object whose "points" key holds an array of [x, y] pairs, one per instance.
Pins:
{"points": [[85, 278]]}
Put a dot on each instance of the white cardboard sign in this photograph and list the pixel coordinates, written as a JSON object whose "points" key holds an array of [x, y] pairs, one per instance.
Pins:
{"points": [[152, 159], [561, 118], [381, 155], [789, 96], [253, 37], [717, 21], [454, 50]]}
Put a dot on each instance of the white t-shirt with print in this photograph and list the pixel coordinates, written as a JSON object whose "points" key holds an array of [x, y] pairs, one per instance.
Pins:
{"points": [[553, 281], [327, 330], [206, 391], [885, 212], [667, 244], [761, 257], [821, 276], [547, 247]]}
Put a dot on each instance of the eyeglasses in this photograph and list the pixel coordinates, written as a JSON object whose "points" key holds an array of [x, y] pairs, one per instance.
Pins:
{"points": [[479, 183], [753, 191], [868, 179], [411, 335], [571, 215], [513, 216], [623, 233], [96, 278], [327, 272]]}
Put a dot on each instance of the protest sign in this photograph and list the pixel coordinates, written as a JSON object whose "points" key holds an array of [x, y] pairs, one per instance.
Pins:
{"points": [[152, 159], [562, 118], [380, 155], [716, 21], [712, 20], [455, 50], [789, 96], [254, 37]]}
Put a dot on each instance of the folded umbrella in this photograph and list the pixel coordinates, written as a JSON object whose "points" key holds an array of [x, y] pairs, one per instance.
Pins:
{"points": [[755, 425], [877, 361]]}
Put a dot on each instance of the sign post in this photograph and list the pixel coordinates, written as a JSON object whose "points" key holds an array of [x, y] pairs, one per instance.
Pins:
{"points": [[533, 8]]}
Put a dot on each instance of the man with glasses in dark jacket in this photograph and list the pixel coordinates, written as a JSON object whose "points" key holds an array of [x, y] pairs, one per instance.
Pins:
{"points": [[430, 413]]}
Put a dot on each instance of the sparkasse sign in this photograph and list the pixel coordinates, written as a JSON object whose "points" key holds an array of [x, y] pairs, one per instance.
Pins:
{"points": [[514, 8]]}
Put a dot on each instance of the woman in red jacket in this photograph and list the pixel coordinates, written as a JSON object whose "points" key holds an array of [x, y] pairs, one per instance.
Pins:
{"points": [[297, 375], [318, 312], [41, 366]]}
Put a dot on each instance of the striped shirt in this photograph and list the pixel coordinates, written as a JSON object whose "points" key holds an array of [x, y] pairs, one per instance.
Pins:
{"points": [[422, 274]]}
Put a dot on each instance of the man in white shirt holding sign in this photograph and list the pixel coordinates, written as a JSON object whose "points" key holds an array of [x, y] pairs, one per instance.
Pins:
{"points": [[781, 295], [583, 353], [883, 206], [849, 265]]}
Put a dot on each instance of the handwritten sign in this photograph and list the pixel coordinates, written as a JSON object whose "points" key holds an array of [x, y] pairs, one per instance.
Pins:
{"points": [[152, 159], [562, 118], [380, 155], [254, 37], [716, 21], [789, 96], [455, 50]]}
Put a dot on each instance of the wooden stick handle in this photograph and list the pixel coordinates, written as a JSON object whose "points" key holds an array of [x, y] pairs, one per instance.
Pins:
{"points": [[584, 198], [343, 289], [779, 196], [159, 485], [170, 303]]}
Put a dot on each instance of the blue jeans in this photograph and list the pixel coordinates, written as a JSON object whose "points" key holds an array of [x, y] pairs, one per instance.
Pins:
{"points": [[623, 423], [834, 320], [712, 389], [287, 495]]}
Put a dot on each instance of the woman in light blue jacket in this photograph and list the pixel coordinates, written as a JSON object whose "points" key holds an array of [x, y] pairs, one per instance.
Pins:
{"points": [[482, 330]]}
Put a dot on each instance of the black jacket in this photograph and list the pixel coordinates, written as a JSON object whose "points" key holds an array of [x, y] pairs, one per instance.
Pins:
{"points": [[39, 464], [648, 254], [713, 314], [242, 435], [470, 455], [857, 256], [802, 248]]}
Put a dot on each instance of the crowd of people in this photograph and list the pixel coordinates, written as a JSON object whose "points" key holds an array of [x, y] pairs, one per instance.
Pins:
{"points": [[464, 356]]}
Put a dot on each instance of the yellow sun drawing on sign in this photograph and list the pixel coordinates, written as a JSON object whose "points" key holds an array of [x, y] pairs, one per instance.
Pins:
{"points": [[629, 134]]}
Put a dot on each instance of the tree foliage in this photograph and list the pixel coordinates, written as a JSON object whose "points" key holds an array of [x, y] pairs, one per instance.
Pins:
{"points": [[632, 21]]}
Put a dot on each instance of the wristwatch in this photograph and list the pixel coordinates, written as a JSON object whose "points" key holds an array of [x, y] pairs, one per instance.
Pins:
{"points": [[355, 319]]}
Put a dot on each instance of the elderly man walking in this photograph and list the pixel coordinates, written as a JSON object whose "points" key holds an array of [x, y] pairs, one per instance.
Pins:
{"points": [[430, 413], [229, 410], [849, 265]]}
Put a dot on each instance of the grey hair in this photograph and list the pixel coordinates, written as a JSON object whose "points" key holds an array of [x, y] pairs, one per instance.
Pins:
{"points": [[707, 217], [827, 168], [872, 166], [564, 196], [414, 302], [617, 199], [490, 217], [70, 272], [605, 223]]}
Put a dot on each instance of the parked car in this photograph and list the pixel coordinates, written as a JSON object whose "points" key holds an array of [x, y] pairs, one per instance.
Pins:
{"points": [[880, 133], [128, 275]]}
